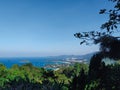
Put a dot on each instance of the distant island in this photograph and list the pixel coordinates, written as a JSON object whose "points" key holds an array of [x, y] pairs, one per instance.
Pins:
{"points": [[24, 61]]}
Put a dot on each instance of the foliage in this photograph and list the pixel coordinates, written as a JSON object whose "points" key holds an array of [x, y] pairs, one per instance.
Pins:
{"points": [[78, 82], [52, 86], [28, 77], [93, 85], [101, 76], [114, 16], [97, 76], [109, 27]]}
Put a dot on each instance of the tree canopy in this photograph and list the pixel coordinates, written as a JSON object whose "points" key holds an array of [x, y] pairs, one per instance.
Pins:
{"points": [[109, 43]]}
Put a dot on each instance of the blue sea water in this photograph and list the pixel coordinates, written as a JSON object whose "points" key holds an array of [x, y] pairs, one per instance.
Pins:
{"points": [[36, 61]]}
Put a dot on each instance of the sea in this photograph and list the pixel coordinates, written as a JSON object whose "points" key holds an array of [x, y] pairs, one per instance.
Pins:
{"points": [[35, 61]]}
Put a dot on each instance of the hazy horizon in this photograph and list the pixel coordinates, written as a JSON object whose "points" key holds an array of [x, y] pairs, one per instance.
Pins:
{"points": [[15, 55]]}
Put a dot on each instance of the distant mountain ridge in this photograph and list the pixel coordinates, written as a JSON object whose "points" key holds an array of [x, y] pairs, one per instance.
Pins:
{"points": [[63, 57]]}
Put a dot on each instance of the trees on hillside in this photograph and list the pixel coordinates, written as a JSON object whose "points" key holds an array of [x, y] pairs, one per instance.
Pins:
{"points": [[100, 75]]}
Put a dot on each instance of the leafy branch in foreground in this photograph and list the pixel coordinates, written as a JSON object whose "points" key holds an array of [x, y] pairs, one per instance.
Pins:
{"points": [[110, 26], [87, 37]]}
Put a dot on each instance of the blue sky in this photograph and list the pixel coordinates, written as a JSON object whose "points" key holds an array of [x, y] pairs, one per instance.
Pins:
{"points": [[47, 27]]}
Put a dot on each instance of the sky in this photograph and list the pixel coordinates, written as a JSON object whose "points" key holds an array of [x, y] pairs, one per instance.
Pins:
{"points": [[47, 27]]}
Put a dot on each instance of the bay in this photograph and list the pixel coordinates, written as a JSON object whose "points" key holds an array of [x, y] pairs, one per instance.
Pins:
{"points": [[36, 61]]}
